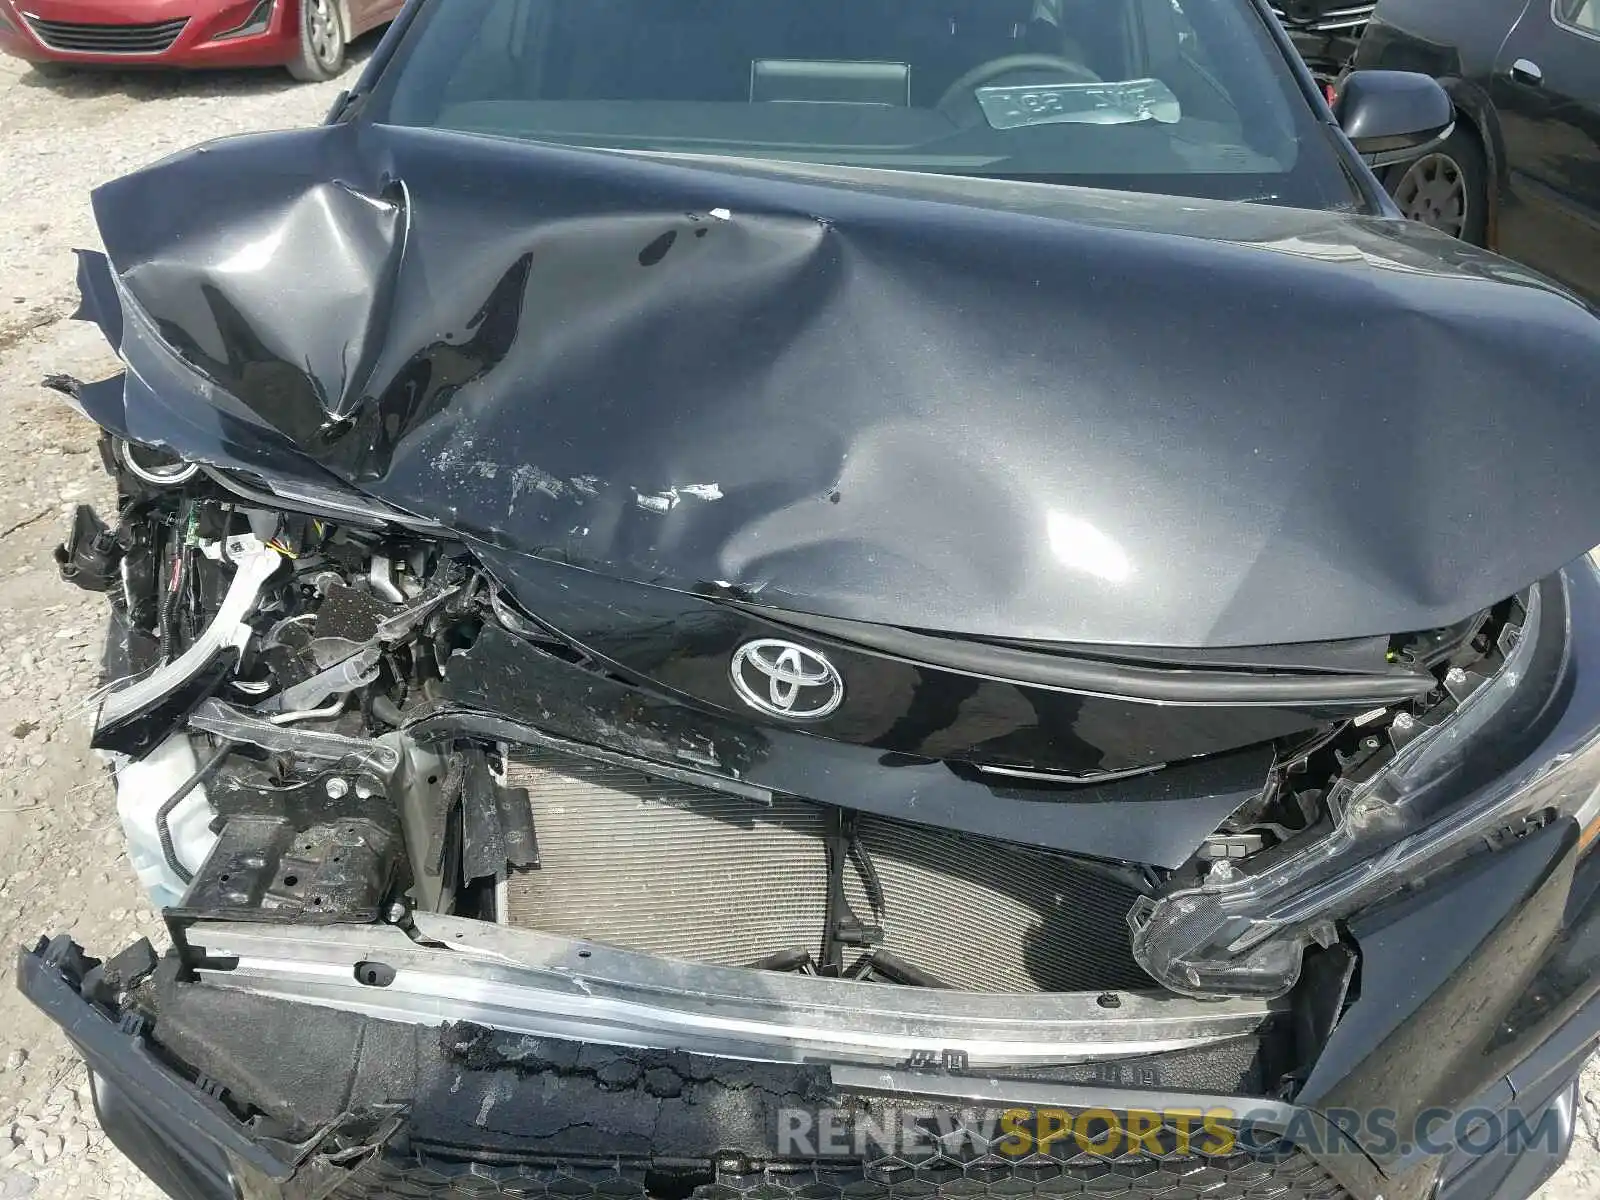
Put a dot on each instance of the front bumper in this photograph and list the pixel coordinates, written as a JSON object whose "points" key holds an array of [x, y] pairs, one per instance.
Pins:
{"points": [[470, 1112], [1481, 1013], [159, 33]]}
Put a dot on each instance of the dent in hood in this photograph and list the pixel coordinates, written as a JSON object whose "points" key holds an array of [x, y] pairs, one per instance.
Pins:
{"points": [[987, 408]]}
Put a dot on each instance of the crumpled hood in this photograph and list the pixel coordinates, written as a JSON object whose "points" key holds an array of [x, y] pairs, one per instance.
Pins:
{"points": [[989, 408]]}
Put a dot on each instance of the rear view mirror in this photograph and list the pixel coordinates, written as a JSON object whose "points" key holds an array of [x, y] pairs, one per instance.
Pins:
{"points": [[1393, 116]]}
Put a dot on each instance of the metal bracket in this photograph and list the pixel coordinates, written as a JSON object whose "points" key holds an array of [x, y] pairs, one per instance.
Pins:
{"points": [[229, 631], [844, 927], [237, 725]]}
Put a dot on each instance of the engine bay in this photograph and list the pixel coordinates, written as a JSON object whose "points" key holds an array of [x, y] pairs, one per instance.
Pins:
{"points": [[301, 714]]}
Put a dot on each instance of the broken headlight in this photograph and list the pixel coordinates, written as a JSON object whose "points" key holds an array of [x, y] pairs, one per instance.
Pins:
{"points": [[1519, 747]]}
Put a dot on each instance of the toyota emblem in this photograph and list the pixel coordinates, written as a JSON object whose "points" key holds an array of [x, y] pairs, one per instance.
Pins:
{"points": [[782, 679]]}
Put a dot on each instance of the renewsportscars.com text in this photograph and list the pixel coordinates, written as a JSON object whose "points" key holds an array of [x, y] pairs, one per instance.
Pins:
{"points": [[913, 1134]]}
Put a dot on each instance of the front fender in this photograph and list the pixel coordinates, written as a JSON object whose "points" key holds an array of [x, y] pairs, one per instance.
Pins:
{"points": [[1473, 103]]}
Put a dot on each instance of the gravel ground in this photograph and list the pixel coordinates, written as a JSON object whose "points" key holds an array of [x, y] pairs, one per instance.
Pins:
{"points": [[61, 861]]}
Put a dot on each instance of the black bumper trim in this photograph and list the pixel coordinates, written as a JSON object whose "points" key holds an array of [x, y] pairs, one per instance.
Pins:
{"points": [[1542, 1087], [172, 1131], [1499, 1175]]}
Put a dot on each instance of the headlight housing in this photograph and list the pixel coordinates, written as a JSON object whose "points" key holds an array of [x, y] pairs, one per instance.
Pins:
{"points": [[1521, 747]]}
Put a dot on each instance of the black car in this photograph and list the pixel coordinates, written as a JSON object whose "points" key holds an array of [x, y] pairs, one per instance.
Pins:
{"points": [[1521, 171], [840, 598]]}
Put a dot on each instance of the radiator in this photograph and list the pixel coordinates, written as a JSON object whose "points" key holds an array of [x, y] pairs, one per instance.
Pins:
{"points": [[691, 874]]}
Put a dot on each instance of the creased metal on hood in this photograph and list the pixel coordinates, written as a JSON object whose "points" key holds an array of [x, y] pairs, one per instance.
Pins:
{"points": [[958, 405]]}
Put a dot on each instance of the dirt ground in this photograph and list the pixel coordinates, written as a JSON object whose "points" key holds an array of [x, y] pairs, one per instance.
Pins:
{"points": [[61, 860]]}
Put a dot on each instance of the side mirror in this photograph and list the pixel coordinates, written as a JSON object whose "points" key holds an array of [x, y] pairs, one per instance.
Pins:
{"points": [[1393, 116]]}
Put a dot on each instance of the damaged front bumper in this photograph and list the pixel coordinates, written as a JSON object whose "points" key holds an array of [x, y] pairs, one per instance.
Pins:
{"points": [[454, 1058]]}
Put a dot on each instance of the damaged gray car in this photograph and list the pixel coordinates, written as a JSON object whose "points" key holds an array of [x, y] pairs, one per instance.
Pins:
{"points": [[714, 600]]}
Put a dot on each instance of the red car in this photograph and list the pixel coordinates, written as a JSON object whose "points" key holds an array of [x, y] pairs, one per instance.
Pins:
{"points": [[307, 36]]}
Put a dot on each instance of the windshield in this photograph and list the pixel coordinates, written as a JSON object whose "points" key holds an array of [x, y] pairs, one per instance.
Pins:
{"points": [[1188, 97]]}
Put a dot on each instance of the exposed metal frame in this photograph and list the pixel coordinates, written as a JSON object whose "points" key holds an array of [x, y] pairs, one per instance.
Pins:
{"points": [[229, 630], [526, 982]]}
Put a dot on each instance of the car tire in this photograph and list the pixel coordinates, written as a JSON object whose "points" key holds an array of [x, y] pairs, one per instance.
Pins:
{"points": [[322, 42], [1447, 188]]}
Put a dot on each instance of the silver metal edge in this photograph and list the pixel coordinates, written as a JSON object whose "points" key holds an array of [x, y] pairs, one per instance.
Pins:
{"points": [[539, 985]]}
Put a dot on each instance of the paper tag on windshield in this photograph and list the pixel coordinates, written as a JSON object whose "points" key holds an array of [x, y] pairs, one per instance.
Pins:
{"points": [[1123, 102]]}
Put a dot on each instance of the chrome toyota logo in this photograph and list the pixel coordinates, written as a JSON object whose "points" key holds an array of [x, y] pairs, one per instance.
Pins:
{"points": [[782, 679]]}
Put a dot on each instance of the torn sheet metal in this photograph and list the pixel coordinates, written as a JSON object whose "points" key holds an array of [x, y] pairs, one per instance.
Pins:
{"points": [[960, 405]]}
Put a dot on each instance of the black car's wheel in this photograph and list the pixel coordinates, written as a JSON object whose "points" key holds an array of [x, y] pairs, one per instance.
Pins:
{"points": [[322, 42], [1447, 188]]}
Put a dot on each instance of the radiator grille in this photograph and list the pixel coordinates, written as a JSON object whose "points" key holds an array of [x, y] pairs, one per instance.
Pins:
{"points": [[1281, 1175], [1324, 17], [691, 874], [84, 38]]}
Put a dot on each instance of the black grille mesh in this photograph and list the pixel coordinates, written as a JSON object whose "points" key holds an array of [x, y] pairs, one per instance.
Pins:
{"points": [[108, 39], [691, 874], [1270, 1175]]}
